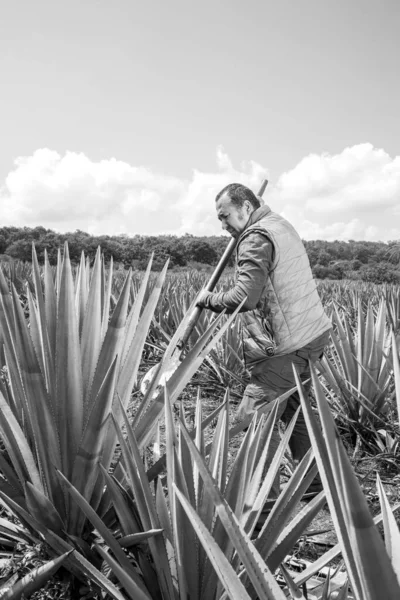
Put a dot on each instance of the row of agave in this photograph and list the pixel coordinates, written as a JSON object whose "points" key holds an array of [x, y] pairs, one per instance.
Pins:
{"points": [[107, 518]]}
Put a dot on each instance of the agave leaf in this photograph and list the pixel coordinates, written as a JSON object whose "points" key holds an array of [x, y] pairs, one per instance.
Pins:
{"points": [[11, 477], [343, 592], [258, 573], [34, 580], [90, 321], [272, 471], [329, 556], [36, 337], [199, 441], [68, 370], [223, 568], [363, 549], [58, 271], [37, 407], [17, 446], [134, 314], [81, 291], [184, 457], [205, 504], [261, 578], [127, 541], [14, 391], [359, 342], [96, 576], [291, 533], [343, 348], [132, 585], [396, 371], [162, 511], [113, 341], [392, 534], [135, 343], [106, 297], [15, 532], [85, 466], [145, 503], [39, 340], [368, 335], [42, 509], [285, 505], [322, 444], [50, 305], [165, 522], [132, 348], [234, 495], [218, 460], [43, 349], [175, 509], [252, 488], [98, 524], [159, 466], [215, 465], [293, 588], [127, 522], [380, 326], [184, 535], [377, 576], [75, 562]]}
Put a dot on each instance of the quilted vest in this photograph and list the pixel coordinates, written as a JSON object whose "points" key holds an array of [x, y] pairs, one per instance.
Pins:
{"points": [[289, 314]]}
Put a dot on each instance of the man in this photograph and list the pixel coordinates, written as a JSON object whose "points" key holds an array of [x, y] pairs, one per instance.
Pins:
{"points": [[283, 319]]}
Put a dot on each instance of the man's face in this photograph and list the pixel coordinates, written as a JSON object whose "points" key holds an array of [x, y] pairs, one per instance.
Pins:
{"points": [[233, 219]]}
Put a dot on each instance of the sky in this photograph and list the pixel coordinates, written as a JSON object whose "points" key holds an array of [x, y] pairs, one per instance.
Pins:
{"points": [[128, 117]]}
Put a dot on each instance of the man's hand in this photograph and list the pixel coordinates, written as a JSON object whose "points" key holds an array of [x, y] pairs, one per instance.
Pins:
{"points": [[202, 298]]}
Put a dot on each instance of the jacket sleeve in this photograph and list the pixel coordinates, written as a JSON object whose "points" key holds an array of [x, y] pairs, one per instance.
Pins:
{"points": [[254, 263]]}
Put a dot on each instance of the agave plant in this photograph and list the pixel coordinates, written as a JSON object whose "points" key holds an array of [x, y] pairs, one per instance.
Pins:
{"points": [[358, 371], [65, 368]]}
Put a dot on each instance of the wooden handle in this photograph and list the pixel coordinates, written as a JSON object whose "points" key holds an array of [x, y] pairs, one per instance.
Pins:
{"points": [[194, 317]]}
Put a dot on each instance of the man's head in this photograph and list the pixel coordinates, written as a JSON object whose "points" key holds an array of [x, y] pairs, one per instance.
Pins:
{"points": [[234, 205]]}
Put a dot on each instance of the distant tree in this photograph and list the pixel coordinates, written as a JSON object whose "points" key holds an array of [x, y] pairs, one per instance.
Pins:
{"points": [[3, 243], [201, 251], [362, 252], [393, 252], [322, 272], [380, 273], [20, 250], [324, 258]]}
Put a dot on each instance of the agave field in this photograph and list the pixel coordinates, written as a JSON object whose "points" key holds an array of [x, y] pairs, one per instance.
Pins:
{"points": [[110, 490]]}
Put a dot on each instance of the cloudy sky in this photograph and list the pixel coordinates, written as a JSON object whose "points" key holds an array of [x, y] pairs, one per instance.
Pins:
{"points": [[128, 117]]}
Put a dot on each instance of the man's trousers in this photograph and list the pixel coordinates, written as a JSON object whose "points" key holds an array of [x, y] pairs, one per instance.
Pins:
{"points": [[269, 380]]}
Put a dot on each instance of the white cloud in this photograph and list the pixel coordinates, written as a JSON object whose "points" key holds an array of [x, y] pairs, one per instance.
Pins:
{"points": [[351, 195]]}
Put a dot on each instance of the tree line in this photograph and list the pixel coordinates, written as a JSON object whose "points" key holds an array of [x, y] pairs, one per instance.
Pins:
{"points": [[378, 262]]}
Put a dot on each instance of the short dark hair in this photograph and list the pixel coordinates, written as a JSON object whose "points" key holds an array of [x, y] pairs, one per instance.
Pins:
{"points": [[238, 194]]}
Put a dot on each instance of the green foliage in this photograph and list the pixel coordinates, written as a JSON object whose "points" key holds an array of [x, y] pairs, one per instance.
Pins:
{"points": [[371, 261]]}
